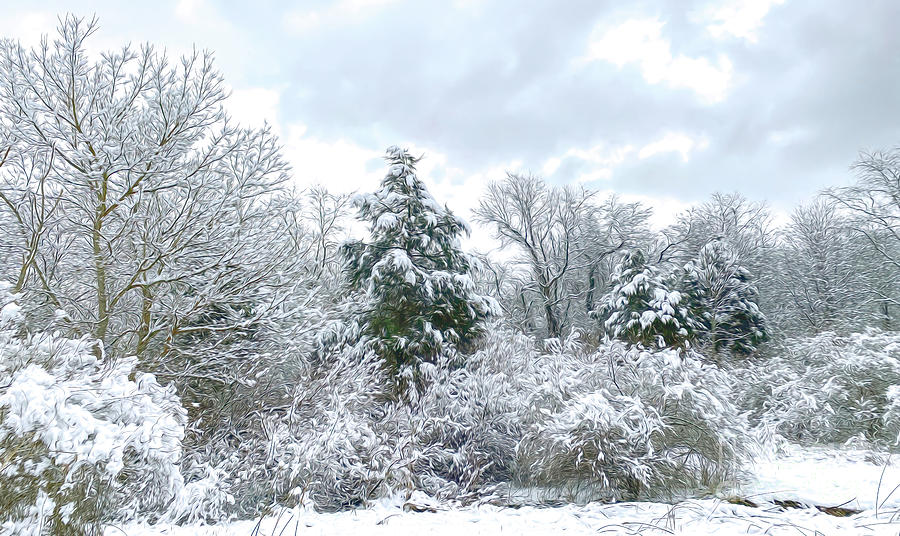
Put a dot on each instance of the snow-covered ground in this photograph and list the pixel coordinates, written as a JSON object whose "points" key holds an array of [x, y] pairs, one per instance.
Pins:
{"points": [[856, 479], [813, 477]]}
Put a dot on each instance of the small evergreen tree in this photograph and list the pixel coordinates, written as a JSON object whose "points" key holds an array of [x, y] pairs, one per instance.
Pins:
{"points": [[413, 274], [722, 298], [640, 308]]}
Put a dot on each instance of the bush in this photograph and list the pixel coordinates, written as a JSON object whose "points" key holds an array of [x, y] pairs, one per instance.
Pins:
{"points": [[609, 424], [627, 424], [828, 388], [84, 441]]}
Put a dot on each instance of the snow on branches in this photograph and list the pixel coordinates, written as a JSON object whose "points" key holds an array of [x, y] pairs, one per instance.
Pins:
{"points": [[416, 279], [84, 440]]}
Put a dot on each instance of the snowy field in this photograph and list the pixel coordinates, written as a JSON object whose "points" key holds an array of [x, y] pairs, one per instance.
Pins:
{"points": [[804, 479]]}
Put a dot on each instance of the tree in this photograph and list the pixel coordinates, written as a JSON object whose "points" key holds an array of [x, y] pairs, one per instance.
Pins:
{"points": [[722, 300], [325, 216], [613, 227], [872, 206], [544, 222], [640, 308], [415, 278], [137, 214], [138, 207], [825, 273], [744, 224]]}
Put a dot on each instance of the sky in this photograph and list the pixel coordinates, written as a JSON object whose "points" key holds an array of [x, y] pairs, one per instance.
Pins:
{"points": [[660, 101]]}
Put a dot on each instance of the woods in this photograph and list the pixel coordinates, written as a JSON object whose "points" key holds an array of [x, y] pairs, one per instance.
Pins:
{"points": [[185, 336]]}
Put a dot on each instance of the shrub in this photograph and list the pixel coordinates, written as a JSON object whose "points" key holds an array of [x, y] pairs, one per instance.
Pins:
{"points": [[828, 388], [629, 423], [84, 441], [609, 424]]}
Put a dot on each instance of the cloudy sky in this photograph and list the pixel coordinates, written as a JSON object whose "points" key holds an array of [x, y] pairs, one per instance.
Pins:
{"points": [[663, 101]]}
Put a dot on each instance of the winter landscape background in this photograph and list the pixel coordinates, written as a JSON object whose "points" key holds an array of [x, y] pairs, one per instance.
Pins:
{"points": [[196, 339]]}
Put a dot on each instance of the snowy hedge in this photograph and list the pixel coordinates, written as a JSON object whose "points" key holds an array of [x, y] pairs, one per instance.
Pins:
{"points": [[829, 388], [84, 441]]}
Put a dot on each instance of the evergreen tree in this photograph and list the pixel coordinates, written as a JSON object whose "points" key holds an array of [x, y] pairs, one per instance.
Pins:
{"points": [[722, 298], [640, 308], [414, 276]]}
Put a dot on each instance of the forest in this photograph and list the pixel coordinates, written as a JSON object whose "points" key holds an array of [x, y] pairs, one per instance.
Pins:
{"points": [[189, 337]]}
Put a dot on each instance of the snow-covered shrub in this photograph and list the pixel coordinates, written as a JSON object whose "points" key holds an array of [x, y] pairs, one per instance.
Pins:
{"points": [[627, 423], [463, 430], [204, 500], [330, 447], [610, 423], [828, 388], [316, 437], [83, 440], [615, 422]]}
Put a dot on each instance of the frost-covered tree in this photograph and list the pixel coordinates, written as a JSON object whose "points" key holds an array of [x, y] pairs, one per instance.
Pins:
{"points": [[546, 225], [872, 207], [641, 309], [825, 272], [137, 213], [415, 278], [723, 300], [613, 229], [137, 206]]}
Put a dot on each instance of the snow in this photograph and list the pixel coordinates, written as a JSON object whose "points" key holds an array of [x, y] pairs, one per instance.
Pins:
{"points": [[813, 476], [824, 476], [690, 518]]}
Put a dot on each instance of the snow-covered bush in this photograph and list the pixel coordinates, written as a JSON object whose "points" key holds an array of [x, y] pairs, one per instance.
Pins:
{"points": [[465, 427], [828, 388], [315, 435], [611, 423], [204, 500], [330, 448], [83, 440], [627, 423]]}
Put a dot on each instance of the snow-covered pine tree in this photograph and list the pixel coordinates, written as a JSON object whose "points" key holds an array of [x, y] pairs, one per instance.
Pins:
{"points": [[640, 308], [414, 276], [722, 298]]}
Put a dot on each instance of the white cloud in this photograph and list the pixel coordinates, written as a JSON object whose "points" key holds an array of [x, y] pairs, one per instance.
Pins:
{"points": [[603, 157], [551, 165], [202, 14], [789, 136], [188, 10], [674, 142], [739, 18], [665, 209], [640, 41], [341, 11], [28, 27], [252, 107], [340, 165]]}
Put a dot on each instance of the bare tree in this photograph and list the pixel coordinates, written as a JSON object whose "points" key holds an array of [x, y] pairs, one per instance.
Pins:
{"points": [[872, 206], [611, 228], [544, 223], [137, 204], [822, 280], [325, 217]]}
